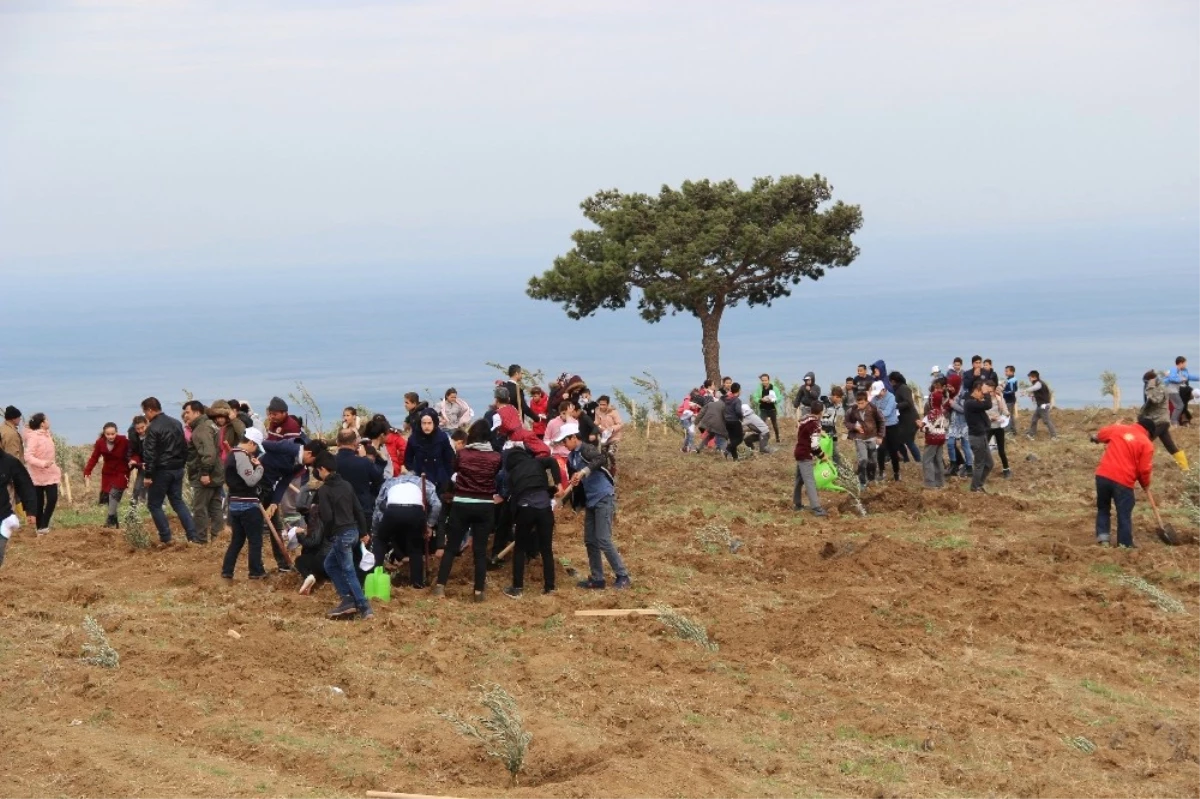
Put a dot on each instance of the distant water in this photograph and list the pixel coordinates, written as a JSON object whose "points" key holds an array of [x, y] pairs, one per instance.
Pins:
{"points": [[86, 348]]}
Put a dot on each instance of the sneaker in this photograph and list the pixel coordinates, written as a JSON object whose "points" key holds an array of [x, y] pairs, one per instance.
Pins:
{"points": [[1007, 473], [550, 592], [479, 596], [623, 583], [1029, 437], [1102, 542], [797, 508], [343, 611], [592, 584], [1054, 438], [262, 576], [226, 576], [512, 592], [820, 512], [366, 614], [307, 586], [284, 569], [439, 591], [980, 490], [862, 486], [44, 530]]}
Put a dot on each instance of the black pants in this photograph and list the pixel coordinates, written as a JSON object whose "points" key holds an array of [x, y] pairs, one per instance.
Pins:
{"points": [[892, 442], [47, 499], [1162, 431], [771, 416], [312, 563], [402, 529], [535, 533], [998, 434], [736, 434], [469, 518], [502, 527]]}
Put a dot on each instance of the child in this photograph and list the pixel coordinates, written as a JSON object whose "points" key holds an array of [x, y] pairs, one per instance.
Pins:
{"points": [[539, 403], [1041, 405], [957, 435], [1010, 396], [935, 424], [829, 419], [350, 419], [1128, 459], [687, 417], [808, 445], [114, 478], [865, 426]]}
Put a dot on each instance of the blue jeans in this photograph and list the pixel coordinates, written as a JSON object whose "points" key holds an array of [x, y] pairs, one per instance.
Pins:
{"points": [[689, 438], [168, 485], [1107, 494], [339, 565], [598, 540], [246, 526]]}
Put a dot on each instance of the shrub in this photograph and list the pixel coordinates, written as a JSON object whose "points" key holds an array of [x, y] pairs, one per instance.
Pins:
{"points": [[685, 628], [97, 651], [503, 733], [133, 526]]}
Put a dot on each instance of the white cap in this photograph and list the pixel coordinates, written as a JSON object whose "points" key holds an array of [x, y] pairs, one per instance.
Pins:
{"points": [[253, 434], [876, 390], [566, 431], [934, 370]]}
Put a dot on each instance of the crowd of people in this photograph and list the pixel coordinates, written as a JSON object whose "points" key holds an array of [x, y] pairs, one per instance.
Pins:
{"points": [[443, 482]]}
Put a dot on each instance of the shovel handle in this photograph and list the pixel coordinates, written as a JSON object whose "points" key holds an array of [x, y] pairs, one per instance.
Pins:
{"points": [[1153, 506]]}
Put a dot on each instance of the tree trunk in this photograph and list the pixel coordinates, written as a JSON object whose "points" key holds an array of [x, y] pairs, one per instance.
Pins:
{"points": [[1117, 399], [710, 342]]}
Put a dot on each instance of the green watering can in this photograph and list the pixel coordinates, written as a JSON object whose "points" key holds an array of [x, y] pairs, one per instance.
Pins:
{"points": [[826, 445], [826, 476], [378, 585]]}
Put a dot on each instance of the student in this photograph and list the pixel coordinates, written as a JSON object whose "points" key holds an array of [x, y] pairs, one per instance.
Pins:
{"points": [[1177, 379], [885, 401], [453, 413], [712, 423], [765, 401], [136, 433], [808, 446], [413, 405], [687, 419], [350, 419], [907, 408], [539, 403], [386, 439], [229, 423], [558, 451], [976, 409], [732, 416], [808, 393], [587, 464], [723, 391], [343, 520], [516, 395], [281, 425], [865, 426], [205, 472], [974, 374], [829, 420], [243, 472], [998, 421], [113, 449], [935, 424], [404, 518], [862, 379], [848, 392], [755, 430], [1155, 410], [10, 434], [1128, 459], [363, 474], [41, 461], [1040, 392], [472, 514], [961, 462], [988, 372], [528, 479], [1011, 387], [430, 452], [956, 368], [608, 419], [14, 482]]}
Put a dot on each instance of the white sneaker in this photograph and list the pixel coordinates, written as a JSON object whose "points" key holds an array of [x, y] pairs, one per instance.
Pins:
{"points": [[43, 530], [307, 586]]}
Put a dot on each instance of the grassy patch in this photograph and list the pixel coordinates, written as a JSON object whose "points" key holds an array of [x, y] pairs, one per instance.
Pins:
{"points": [[1107, 569], [949, 542], [872, 768]]}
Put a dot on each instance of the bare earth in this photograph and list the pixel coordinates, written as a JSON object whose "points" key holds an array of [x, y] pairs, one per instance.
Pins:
{"points": [[949, 644]]}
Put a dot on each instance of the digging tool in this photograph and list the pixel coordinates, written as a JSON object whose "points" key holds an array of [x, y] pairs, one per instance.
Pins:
{"points": [[1166, 532], [287, 556]]}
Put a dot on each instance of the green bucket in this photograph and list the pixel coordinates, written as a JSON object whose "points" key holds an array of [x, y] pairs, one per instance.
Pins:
{"points": [[378, 585]]}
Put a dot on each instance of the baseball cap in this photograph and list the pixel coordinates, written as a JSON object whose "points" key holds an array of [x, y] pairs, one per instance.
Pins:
{"points": [[253, 434], [566, 431], [934, 370]]}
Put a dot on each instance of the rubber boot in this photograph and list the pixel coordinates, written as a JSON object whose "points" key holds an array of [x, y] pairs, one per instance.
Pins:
{"points": [[111, 521], [1181, 459]]}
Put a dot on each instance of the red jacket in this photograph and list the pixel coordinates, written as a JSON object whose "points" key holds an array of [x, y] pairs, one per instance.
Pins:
{"points": [[808, 438], [539, 406], [1129, 456], [113, 475], [476, 471], [395, 445]]}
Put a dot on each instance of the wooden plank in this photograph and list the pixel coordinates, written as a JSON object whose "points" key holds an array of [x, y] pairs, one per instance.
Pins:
{"points": [[388, 795], [618, 612]]}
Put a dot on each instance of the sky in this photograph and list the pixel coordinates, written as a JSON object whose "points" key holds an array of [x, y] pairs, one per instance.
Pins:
{"points": [[394, 150]]}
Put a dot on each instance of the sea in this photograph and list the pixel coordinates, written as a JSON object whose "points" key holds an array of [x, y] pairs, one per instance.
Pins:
{"points": [[84, 343]]}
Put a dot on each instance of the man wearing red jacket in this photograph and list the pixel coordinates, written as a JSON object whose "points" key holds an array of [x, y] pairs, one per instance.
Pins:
{"points": [[1128, 458]]}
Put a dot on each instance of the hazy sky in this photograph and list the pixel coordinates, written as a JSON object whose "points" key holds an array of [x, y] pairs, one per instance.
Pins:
{"points": [[335, 133]]}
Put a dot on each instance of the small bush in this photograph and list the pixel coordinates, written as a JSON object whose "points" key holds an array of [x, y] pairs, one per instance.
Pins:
{"points": [[97, 651], [133, 526], [685, 628], [503, 734]]}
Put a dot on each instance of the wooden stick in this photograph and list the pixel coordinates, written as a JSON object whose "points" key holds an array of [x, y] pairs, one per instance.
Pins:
{"points": [[619, 612], [388, 795], [287, 556], [504, 552]]}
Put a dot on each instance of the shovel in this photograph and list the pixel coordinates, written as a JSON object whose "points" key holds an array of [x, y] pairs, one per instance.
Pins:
{"points": [[1166, 532]]}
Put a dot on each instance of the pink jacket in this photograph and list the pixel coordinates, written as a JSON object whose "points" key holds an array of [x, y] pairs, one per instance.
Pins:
{"points": [[39, 458]]}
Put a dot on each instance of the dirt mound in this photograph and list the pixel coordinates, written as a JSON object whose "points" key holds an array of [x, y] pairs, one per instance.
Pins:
{"points": [[947, 643]]}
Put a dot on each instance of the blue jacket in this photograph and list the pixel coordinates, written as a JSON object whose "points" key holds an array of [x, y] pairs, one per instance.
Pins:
{"points": [[281, 462], [883, 372], [886, 403], [1177, 376], [431, 455], [588, 458], [363, 475]]}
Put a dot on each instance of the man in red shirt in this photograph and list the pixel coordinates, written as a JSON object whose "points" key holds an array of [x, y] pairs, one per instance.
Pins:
{"points": [[1128, 459]]}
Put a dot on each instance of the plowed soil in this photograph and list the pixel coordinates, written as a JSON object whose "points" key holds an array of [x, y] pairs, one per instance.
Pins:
{"points": [[946, 644]]}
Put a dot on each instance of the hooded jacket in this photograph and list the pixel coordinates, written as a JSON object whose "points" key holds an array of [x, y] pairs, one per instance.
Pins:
{"points": [[1156, 408], [808, 393], [904, 404], [204, 452], [808, 438], [880, 367], [936, 422], [712, 420], [114, 475]]}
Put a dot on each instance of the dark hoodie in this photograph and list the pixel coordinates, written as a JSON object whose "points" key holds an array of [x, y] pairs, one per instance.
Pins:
{"points": [[808, 393], [430, 454], [879, 371], [904, 404]]}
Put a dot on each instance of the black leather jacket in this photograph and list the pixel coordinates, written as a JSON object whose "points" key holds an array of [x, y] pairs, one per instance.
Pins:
{"points": [[163, 447]]}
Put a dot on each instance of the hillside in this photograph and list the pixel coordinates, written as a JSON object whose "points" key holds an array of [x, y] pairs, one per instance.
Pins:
{"points": [[946, 644]]}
